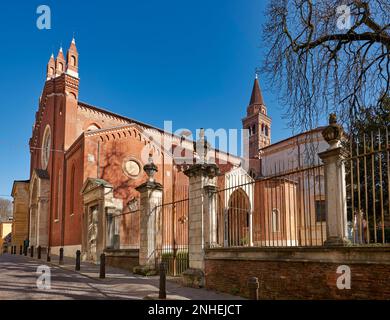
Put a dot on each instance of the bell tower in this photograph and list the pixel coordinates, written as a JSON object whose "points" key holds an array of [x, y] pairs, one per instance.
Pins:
{"points": [[257, 122]]}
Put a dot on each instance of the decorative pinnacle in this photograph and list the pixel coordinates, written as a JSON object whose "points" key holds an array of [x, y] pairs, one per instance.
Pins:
{"points": [[332, 118], [150, 169], [257, 72], [333, 132]]}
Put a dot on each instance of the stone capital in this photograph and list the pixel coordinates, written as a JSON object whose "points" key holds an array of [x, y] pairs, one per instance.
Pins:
{"points": [[209, 170], [332, 155], [149, 186], [211, 189]]}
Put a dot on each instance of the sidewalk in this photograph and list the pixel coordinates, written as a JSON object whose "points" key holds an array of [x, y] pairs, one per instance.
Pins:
{"points": [[129, 284]]}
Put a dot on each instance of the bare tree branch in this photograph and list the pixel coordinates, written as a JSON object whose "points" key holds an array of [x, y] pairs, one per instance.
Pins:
{"points": [[321, 68]]}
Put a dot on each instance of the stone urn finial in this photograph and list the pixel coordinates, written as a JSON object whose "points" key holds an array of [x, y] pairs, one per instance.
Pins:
{"points": [[333, 132], [202, 147], [150, 169]]}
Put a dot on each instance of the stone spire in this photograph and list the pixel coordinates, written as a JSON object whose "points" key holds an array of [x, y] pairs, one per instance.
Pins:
{"points": [[256, 97], [72, 56], [51, 68], [60, 62]]}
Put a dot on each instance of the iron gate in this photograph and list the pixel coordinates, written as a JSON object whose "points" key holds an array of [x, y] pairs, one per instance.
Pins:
{"points": [[172, 247]]}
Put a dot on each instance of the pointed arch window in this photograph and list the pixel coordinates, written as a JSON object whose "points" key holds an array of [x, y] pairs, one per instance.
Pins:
{"points": [[46, 145], [59, 196], [72, 189], [73, 61]]}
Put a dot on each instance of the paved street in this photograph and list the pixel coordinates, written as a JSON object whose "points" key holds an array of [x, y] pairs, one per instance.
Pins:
{"points": [[18, 281]]}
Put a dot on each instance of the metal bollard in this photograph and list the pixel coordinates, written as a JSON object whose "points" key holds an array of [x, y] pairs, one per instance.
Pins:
{"points": [[102, 274], [48, 258], [32, 251], [78, 254], [25, 250], [162, 294], [253, 285], [61, 261], [39, 252], [21, 250]]}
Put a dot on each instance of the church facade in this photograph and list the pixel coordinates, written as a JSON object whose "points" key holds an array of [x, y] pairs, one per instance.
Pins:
{"points": [[86, 163], [75, 145]]}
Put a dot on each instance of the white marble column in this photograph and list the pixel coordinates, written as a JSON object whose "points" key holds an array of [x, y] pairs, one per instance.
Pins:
{"points": [[335, 187], [150, 201]]}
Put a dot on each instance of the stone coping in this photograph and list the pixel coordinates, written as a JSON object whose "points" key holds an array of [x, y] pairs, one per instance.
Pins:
{"points": [[351, 254], [121, 252]]}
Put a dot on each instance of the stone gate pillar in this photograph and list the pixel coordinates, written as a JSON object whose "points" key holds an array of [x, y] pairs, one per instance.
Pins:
{"points": [[202, 215], [151, 193], [335, 187]]}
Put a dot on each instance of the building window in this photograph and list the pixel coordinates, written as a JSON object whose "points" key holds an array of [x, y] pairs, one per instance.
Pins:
{"points": [[266, 130], [72, 188], [131, 167], [320, 211], [254, 129], [73, 61], [59, 196], [275, 220], [46, 144]]}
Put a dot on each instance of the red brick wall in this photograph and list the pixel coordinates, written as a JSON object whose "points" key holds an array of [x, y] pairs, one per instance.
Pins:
{"points": [[283, 279], [73, 218]]}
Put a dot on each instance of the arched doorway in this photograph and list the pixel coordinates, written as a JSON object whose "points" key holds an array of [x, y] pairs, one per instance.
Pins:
{"points": [[33, 213], [39, 208], [238, 219]]}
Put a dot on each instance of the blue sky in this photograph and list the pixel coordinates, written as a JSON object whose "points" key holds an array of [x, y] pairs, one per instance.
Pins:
{"points": [[189, 61]]}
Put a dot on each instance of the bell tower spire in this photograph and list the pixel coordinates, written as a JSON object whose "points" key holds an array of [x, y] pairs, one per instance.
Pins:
{"points": [[256, 121]]}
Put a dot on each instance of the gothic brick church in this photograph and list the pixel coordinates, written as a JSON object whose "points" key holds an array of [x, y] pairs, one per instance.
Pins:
{"points": [[87, 159]]}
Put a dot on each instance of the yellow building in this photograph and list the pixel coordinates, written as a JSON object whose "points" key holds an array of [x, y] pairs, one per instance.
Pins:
{"points": [[20, 193], [5, 230]]}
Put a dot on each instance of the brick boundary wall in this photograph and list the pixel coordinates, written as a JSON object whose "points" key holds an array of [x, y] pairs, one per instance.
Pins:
{"points": [[125, 259], [299, 273]]}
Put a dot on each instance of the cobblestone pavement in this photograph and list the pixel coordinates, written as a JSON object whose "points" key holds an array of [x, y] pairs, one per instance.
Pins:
{"points": [[18, 276]]}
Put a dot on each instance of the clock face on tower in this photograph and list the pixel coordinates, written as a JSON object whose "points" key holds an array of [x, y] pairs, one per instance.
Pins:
{"points": [[46, 145], [131, 168]]}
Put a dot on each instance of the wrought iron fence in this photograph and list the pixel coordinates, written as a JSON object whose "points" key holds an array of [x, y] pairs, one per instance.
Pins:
{"points": [[281, 210], [368, 184], [172, 245]]}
